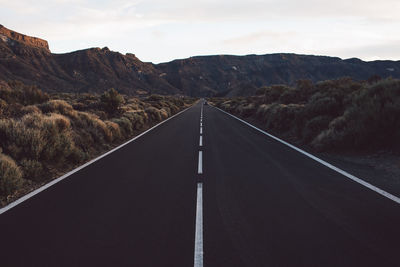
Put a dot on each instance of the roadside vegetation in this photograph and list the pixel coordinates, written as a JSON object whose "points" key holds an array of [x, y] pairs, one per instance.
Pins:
{"points": [[333, 116], [42, 136]]}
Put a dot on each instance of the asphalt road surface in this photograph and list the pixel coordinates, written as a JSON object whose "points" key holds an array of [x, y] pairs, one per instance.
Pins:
{"points": [[203, 190]]}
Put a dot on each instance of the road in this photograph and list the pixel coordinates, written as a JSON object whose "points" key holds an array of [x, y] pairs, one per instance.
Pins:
{"points": [[245, 200]]}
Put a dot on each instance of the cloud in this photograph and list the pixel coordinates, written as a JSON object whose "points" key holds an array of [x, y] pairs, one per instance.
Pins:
{"points": [[204, 10], [378, 51], [262, 36]]}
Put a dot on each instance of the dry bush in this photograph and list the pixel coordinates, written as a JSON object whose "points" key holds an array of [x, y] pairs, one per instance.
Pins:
{"points": [[30, 109], [112, 101], [91, 124], [290, 96], [164, 113], [273, 93], [125, 125], [230, 105], [314, 127], [154, 114], [58, 106], [262, 110], [283, 118], [32, 170], [155, 98], [114, 129], [6, 92], [320, 104], [246, 110], [20, 140], [3, 107], [10, 175], [17, 92]]}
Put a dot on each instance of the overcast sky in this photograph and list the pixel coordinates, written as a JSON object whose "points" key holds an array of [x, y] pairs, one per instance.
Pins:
{"points": [[163, 30]]}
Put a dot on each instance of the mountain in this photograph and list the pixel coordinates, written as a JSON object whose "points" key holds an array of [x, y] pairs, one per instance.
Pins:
{"points": [[29, 59], [242, 75], [91, 70]]}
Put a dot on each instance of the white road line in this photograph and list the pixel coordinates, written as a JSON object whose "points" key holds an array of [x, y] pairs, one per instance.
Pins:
{"points": [[201, 130], [200, 166], [201, 124], [53, 182], [201, 141], [198, 245], [348, 175]]}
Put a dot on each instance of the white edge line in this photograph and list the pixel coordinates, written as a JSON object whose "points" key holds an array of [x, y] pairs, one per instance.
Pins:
{"points": [[198, 245], [53, 182], [200, 166], [348, 175]]}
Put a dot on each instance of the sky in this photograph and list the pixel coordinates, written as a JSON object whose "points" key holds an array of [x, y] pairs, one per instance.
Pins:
{"points": [[163, 30]]}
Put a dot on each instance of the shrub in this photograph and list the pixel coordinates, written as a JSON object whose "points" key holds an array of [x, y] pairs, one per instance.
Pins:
{"points": [[112, 101], [164, 113], [30, 109], [92, 125], [17, 92], [290, 96], [32, 170], [57, 106], [137, 118], [262, 111], [30, 95], [125, 125], [320, 104], [273, 93], [21, 140], [283, 118], [3, 106], [155, 98], [246, 110], [314, 127], [10, 175], [114, 129], [77, 155], [154, 114]]}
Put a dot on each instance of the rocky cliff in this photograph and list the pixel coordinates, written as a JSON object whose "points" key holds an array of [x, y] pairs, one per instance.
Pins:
{"points": [[10, 36]]}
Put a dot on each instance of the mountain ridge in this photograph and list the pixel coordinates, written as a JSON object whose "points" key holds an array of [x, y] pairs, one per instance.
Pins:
{"points": [[30, 60]]}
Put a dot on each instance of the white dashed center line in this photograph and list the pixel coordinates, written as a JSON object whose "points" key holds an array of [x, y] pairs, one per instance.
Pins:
{"points": [[198, 245], [200, 167]]}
